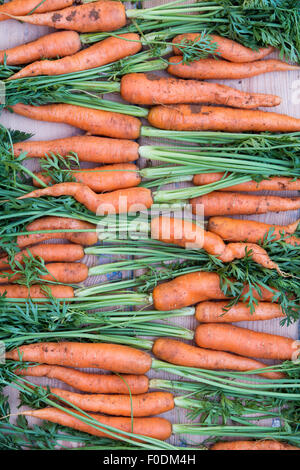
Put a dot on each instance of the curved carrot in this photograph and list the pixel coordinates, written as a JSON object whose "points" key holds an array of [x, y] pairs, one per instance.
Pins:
{"points": [[219, 203], [216, 312], [253, 445], [182, 354], [274, 183], [113, 357], [207, 69], [94, 121], [149, 89], [102, 53], [228, 49], [87, 148], [243, 341], [14, 291], [199, 118], [158, 428], [234, 251], [24, 7], [105, 178], [91, 383], [67, 273], [105, 15]]}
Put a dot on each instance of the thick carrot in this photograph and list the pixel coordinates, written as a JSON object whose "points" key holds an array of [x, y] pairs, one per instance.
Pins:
{"points": [[105, 15], [149, 89], [219, 203], [228, 49], [49, 253], [24, 7], [253, 445], [182, 354], [14, 291], [58, 223], [275, 183], [147, 404], [214, 312], [206, 69], [105, 178], [54, 45], [68, 273], [222, 337], [236, 230], [103, 52], [94, 121], [158, 428], [91, 383], [113, 357], [199, 118], [121, 201], [87, 148]]}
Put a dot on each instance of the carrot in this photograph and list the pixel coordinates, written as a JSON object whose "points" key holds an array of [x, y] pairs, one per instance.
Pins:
{"points": [[274, 183], [91, 383], [146, 404], [94, 121], [235, 230], [253, 445], [228, 49], [149, 89], [105, 15], [87, 148], [105, 178], [58, 223], [213, 312], [121, 201], [36, 292], [206, 69], [113, 357], [200, 118], [24, 7], [158, 428], [68, 273], [219, 203], [51, 252], [104, 52], [182, 354], [222, 337]]}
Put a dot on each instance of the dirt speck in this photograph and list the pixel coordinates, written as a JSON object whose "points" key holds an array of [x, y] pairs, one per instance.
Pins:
{"points": [[71, 16], [94, 14], [56, 17]]}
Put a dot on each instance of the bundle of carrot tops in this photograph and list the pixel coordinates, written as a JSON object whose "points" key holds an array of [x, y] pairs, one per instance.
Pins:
{"points": [[156, 254]]}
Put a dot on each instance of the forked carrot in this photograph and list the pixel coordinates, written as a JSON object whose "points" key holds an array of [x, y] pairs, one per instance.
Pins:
{"points": [[217, 312], [274, 183], [253, 445], [67, 273], [14, 291], [24, 7]]}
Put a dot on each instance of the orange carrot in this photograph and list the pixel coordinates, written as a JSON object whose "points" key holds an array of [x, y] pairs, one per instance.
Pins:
{"points": [[253, 445], [149, 89], [228, 49], [199, 118], [214, 312], [113, 357], [94, 121], [274, 183], [206, 69], [222, 337], [219, 203], [182, 354], [158, 428], [14, 291], [105, 15], [236, 230], [121, 201], [87, 148], [91, 383], [68, 273], [105, 178], [103, 52], [24, 7]]}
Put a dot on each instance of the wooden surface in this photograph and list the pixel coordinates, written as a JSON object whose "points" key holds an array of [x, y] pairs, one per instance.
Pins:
{"points": [[13, 33]]}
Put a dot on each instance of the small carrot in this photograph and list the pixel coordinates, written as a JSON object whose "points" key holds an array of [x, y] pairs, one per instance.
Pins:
{"points": [[220, 203], [94, 121], [245, 342], [207, 69], [91, 383], [104, 52], [253, 445], [182, 354], [25, 7], [216, 312], [149, 89], [228, 49], [67, 273], [113, 357], [199, 118], [102, 179], [14, 291], [275, 183]]}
